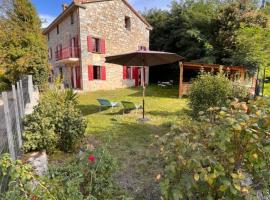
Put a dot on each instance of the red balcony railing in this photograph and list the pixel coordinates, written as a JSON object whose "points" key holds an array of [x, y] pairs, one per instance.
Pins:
{"points": [[69, 52]]}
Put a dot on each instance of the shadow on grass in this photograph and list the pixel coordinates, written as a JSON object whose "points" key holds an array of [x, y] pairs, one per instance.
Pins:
{"points": [[90, 109], [163, 113]]}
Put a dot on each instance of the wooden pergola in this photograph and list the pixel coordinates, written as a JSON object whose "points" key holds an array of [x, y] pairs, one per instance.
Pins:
{"points": [[184, 86]]}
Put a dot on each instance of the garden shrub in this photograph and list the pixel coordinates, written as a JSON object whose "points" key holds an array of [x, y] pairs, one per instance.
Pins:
{"points": [[225, 155], [209, 90], [69, 127], [56, 117], [240, 91], [39, 132], [88, 177], [23, 184], [92, 174]]}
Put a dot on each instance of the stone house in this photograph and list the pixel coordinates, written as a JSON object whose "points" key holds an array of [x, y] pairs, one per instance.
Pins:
{"points": [[85, 33]]}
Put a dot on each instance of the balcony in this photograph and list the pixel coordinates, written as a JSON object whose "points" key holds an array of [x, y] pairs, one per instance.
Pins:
{"points": [[68, 55]]}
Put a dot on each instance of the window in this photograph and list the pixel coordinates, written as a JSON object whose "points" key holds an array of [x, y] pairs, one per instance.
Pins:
{"points": [[57, 29], [96, 45], [72, 18], [127, 23], [48, 36], [97, 72]]}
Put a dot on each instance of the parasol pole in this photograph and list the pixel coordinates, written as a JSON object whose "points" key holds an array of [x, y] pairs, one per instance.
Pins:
{"points": [[143, 70], [143, 84]]}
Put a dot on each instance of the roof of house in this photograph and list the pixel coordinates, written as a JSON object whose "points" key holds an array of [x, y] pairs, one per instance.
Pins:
{"points": [[73, 5]]}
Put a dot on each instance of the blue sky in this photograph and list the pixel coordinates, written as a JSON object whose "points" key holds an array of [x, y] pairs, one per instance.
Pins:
{"points": [[49, 9]]}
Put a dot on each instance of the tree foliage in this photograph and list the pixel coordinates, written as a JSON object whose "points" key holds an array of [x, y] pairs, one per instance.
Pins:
{"points": [[209, 31], [23, 48], [255, 50]]}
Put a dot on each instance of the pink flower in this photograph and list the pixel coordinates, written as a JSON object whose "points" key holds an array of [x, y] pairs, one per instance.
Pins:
{"points": [[91, 158]]}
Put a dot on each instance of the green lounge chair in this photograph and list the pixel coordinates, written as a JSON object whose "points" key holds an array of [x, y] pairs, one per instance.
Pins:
{"points": [[105, 103], [128, 106]]}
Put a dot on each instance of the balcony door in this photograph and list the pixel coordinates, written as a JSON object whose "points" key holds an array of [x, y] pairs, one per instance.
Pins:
{"points": [[76, 77]]}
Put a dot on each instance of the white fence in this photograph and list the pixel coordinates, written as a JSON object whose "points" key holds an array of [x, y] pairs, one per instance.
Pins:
{"points": [[14, 105]]}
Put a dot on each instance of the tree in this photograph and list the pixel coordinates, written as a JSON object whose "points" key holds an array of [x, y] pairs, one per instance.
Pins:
{"points": [[225, 27], [23, 48], [184, 29], [206, 31], [253, 46]]}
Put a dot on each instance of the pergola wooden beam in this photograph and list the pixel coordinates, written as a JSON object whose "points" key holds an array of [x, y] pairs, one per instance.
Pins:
{"points": [[198, 66]]}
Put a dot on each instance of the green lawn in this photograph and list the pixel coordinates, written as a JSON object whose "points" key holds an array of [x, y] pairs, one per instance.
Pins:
{"points": [[131, 142], [267, 89]]}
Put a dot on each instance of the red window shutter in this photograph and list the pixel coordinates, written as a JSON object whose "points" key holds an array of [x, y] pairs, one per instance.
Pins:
{"points": [[124, 72], [102, 46], [103, 73], [89, 44], [90, 72]]}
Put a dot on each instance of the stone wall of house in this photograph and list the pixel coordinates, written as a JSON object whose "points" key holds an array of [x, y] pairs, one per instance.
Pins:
{"points": [[66, 32], [106, 19]]}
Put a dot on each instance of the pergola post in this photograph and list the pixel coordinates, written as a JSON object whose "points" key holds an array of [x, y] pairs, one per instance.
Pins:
{"points": [[181, 66], [242, 75]]}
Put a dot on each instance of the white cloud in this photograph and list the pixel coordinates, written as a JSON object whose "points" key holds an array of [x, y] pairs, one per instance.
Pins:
{"points": [[46, 19]]}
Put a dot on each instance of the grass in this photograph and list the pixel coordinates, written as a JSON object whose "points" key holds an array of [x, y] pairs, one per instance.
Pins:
{"points": [[131, 142], [267, 89]]}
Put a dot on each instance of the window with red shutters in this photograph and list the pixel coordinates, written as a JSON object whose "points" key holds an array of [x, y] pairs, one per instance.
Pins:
{"points": [[96, 72], [90, 72], [96, 45]]}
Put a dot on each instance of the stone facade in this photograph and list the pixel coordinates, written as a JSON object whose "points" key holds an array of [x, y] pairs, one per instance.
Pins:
{"points": [[104, 20], [67, 31]]}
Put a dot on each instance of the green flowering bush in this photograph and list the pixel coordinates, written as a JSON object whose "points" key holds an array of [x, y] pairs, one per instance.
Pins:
{"points": [[209, 90], [225, 155], [55, 123]]}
